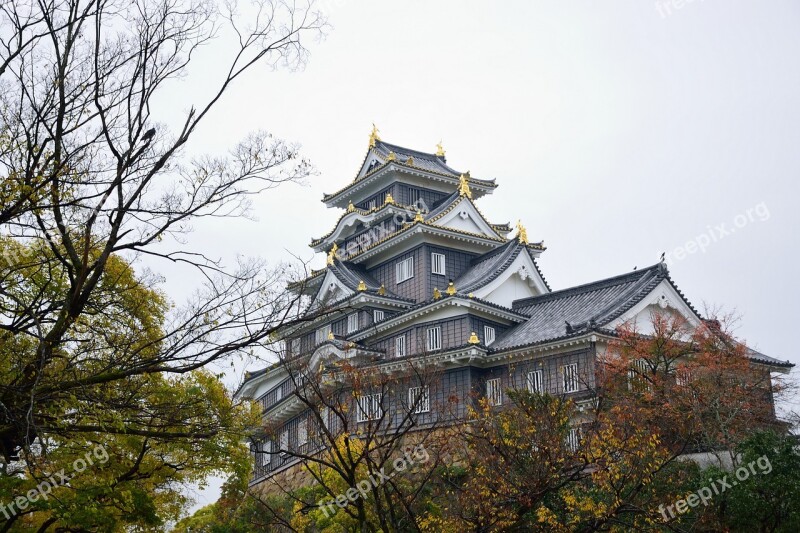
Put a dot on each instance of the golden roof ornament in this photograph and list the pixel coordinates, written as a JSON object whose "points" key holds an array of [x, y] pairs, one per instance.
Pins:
{"points": [[391, 157], [436, 293], [330, 336], [439, 149], [451, 288], [332, 253], [410, 161], [463, 186], [389, 199], [374, 137], [522, 235], [473, 338], [382, 290], [351, 207], [362, 286], [418, 217]]}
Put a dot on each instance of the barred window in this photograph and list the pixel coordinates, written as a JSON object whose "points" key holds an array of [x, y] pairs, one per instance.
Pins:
{"points": [[400, 346], [573, 439], [284, 442], [570, 377], [494, 392], [369, 407], [419, 399], [637, 375], [302, 432], [434, 338], [323, 333], [404, 270], [488, 335], [535, 382], [377, 315], [352, 322], [438, 264]]}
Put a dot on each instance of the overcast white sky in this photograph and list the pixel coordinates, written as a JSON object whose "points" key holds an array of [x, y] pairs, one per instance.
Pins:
{"points": [[616, 131]]}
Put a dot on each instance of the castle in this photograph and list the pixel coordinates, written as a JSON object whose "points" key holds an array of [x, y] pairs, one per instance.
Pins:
{"points": [[415, 270]]}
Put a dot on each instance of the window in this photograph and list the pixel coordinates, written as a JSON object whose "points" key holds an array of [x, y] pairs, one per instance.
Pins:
{"points": [[573, 439], [284, 443], [262, 451], [302, 432], [571, 377], [535, 382], [413, 196], [683, 377], [371, 204], [419, 399], [438, 264], [637, 375], [434, 338], [323, 333], [279, 393], [325, 416], [488, 335], [378, 315], [404, 270], [400, 346], [295, 346], [494, 392], [369, 407], [352, 322]]}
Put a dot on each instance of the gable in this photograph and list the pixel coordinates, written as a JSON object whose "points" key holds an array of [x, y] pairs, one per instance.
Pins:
{"points": [[330, 290], [662, 299], [519, 280], [464, 216], [371, 162]]}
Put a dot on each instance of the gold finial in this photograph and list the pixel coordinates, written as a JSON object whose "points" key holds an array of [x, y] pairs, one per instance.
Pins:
{"points": [[362, 286], [332, 253], [418, 217], [523, 233], [374, 137], [382, 290], [436, 293], [473, 338], [470, 295], [463, 186], [330, 336], [439, 149], [451, 288], [410, 161], [351, 207], [389, 199], [391, 157]]}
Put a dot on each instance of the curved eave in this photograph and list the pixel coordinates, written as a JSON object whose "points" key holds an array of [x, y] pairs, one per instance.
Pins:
{"points": [[355, 216], [418, 227], [430, 306], [341, 197]]}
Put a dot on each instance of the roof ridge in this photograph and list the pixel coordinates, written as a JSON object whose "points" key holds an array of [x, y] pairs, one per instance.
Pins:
{"points": [[592, 286]]}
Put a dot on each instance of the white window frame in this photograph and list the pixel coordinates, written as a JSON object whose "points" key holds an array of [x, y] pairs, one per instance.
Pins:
{"points": [[438, 264], [573, 440], [400, 346], [378, 315], [494, 391], [404, 270], [488, 335], [569, 374], [434, 338], [369, 407], [322, 333], [639, 369], [352, 322], [295, 346], [534, 382], [302, 432], [423, 395]]}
